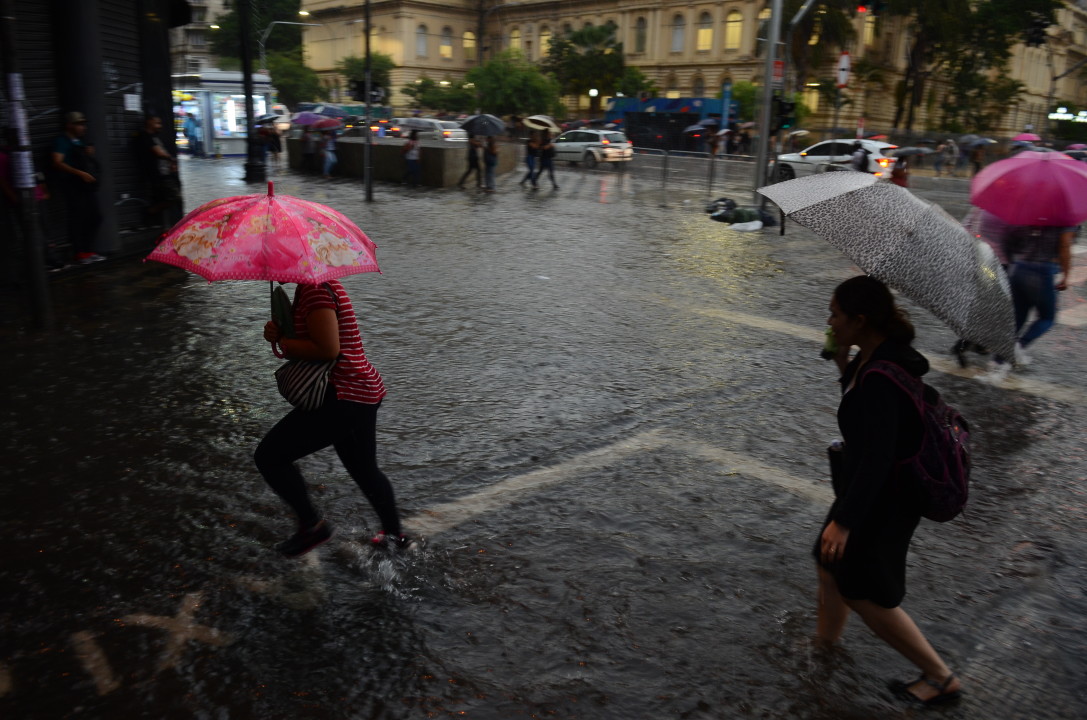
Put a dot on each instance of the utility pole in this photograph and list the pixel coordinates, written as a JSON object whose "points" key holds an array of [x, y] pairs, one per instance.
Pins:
{"points": [[767, 88], [368, 151], [254, 164]]}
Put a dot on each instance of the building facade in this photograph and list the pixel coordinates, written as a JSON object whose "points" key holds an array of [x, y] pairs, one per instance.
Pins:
{"points": [[688, 48]]}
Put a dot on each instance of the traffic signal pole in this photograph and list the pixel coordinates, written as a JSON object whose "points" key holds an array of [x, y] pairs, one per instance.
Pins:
{"points": [[368, 151], [767, 98]]}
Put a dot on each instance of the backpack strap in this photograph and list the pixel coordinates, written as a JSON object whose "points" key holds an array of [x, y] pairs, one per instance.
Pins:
{"points": [[914, 387]]}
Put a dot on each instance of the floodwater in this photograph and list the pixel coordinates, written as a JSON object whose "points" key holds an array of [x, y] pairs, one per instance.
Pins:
{"points": [[606, 422]]}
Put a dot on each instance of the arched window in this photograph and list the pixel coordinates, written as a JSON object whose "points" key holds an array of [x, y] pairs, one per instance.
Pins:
{"points": [[567, 28], [679, 26], [734, 25], [671, 87], [445, 50], [698, 87], [870, 30], [545, 40], [639, 35], [420, 41], [588, 24], [515, 39], [468, 42], [704, 39]]}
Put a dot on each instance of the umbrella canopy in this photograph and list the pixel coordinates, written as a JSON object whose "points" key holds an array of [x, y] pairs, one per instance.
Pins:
{"points": [[968, 139], [1029, 137], [697, 129], [981, 141], [912, 245], [269, 117], [307, 118], [799, 133], [326, 124], [541, 122], [486, 125], [267, 237], [710, 122], [1077, 146], [906, 151], [1033, 188]]}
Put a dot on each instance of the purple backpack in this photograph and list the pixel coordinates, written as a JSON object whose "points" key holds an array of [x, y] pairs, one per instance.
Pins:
{"points": [[942, 465]]}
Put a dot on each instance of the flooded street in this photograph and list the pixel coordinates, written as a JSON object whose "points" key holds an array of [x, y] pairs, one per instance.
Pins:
{"points": [[607, 420]]}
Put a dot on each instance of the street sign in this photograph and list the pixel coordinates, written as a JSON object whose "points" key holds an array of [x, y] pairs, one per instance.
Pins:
{"points": [[779, 75], [844, 65]]}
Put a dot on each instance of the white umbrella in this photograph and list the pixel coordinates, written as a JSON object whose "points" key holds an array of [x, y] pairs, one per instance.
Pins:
{"points": [[541, 122], [912, 245]]}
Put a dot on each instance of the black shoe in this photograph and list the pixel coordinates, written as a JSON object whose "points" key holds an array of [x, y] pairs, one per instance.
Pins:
{"points": [[305, 540]]}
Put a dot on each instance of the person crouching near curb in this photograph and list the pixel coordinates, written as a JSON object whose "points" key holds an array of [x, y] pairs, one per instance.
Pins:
{"points": [[861, 550]]}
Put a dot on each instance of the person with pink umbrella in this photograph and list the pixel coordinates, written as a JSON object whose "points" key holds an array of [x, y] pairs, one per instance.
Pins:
{"points": [[287, 239]]}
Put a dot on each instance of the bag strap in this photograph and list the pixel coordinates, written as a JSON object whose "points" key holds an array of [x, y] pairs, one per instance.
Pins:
{"points": [[912, 386]]}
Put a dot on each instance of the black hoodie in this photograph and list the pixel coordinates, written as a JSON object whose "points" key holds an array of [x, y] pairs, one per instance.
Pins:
{"points": [[880, 427]]}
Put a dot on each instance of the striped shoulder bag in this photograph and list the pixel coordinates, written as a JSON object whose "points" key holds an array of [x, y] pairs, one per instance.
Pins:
{"points": [[303, 383]]}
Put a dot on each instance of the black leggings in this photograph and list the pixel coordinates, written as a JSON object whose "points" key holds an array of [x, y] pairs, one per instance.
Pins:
{"points": [[351, 428]]}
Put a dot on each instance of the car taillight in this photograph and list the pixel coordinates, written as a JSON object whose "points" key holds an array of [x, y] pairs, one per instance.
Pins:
{"points": [[446, 133], [605, 142], [884, 162], [375, 128]]}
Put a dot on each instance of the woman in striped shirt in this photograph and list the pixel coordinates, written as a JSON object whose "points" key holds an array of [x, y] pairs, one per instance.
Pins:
{"points": [[325, 328]]}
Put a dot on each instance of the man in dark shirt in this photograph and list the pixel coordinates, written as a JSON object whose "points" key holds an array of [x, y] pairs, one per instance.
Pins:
{"points": [[160, 170], [73, 160]]}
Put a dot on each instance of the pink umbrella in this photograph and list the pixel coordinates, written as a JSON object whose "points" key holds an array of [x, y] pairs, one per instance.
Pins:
{"points": [[326, 124], [1026, 137], [267, 237], [1077, 146], [1033, 188]]}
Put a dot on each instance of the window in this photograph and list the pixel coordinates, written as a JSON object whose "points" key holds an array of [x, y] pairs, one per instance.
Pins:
{"points": [[545, 40], [199, 14], [567, 28], [734, 25], [704, 39], [469, 44], [672, 87], [679, 25], [639, 35], [586, 25], [445, 49], [196, 38], [698, 87], [515, 39], [420, 41], [870, 30]]}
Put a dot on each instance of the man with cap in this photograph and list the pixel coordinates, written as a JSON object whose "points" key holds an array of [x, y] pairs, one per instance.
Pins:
{"points": [[74, 161]]}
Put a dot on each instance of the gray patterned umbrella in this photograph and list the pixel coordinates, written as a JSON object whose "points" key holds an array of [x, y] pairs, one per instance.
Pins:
{"points": [[912, 245]]}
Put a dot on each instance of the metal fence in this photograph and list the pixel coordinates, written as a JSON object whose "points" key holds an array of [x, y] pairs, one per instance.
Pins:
{"points": [[692, 170]]}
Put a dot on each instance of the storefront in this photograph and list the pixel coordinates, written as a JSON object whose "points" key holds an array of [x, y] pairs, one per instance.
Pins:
{"points": [[209, 110]]}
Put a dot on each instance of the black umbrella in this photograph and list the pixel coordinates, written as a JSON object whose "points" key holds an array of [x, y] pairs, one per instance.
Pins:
{"points": [[907, 151], [485, 125], [710, 122]]}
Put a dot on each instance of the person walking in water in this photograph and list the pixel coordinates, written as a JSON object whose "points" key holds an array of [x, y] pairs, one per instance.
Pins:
{"points": [[326, 328], [532, 152], [490, 163], [547, 160], [473, 162], [412, 172], [861, 550]]}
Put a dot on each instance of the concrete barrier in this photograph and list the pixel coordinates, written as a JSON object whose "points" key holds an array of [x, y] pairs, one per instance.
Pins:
{"points": [[442, 163]]}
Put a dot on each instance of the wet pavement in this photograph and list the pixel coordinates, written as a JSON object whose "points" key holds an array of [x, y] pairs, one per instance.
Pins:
{"points": [[606, 420]]}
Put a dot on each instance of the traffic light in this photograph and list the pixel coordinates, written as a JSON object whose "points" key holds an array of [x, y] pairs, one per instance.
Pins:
{"points": [[1035, 34], [786, 118], [358, 90]]}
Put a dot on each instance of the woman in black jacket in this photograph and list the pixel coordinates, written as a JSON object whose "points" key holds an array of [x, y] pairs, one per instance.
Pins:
{"points": [[861, 550]]}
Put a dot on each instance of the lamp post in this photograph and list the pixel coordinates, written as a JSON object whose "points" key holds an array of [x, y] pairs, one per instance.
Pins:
{"points": [[593, 92], [267, 31], [482, 20]]}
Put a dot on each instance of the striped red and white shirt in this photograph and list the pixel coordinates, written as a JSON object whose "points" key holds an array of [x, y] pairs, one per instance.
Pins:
{"points": [[354, 378]]}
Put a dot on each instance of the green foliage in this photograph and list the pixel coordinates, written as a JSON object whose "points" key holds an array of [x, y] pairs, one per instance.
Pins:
{"points": [[381, 67], [745, 95], [634, 81], [294, 81], [585, 59], [281, 38], [427, 93], [510, 84]]}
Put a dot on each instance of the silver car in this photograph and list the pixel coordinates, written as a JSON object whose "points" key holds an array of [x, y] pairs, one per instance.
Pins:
{"points": [[593, 146], [835, 155], [429, 128]]}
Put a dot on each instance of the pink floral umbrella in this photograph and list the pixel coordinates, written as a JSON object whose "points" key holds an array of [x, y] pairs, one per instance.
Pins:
{"points": [[1076, 146], [267, 237], [1033, 188], [1026, 137]]}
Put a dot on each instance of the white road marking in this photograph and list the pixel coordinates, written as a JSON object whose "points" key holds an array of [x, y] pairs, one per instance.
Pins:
{"points": [[182, 628], [94, 661]]}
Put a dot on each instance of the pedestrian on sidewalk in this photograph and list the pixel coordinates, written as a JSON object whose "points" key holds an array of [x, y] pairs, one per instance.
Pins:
{"points": [[474, 146], [547, 159], [77, 168], [328, 150], [160, 173], [490, 162], [412, 170], [532, 153], [309, 150], [861, 551], [326, 328]]}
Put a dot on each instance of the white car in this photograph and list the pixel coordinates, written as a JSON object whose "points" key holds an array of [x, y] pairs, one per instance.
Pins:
{"points": [[593, 146], [835, 155], [429, 128]]}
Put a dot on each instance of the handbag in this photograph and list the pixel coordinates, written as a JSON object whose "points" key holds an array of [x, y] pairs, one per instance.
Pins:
{"points": [[303, 383]]}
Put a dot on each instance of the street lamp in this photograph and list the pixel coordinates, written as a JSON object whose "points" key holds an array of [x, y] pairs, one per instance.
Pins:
{"points": [[264, 36]]}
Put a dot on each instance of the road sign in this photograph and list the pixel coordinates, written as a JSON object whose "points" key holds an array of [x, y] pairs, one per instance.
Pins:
{"points": [[779, 75], [844, 65]]}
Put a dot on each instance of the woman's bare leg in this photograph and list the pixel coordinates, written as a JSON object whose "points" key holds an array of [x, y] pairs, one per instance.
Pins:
{"points": [[833, 611]]}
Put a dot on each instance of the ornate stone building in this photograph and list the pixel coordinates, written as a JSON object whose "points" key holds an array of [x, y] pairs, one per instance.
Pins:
{"points": [[687, 47]]}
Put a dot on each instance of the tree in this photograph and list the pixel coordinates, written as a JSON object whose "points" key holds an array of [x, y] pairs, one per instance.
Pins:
{"points": [[745, 95], [381, 67], [634, 82], [586, 59], [510, 84], [294, 81], [281, 39], [456, 96]]}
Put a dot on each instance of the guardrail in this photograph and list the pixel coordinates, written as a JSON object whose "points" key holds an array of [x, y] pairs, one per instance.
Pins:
{"points": [[690, 168]]}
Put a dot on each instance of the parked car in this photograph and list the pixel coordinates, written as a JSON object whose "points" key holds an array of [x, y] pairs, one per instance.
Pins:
{"points": [[835, 155], [429, 128], [593, 146]]}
